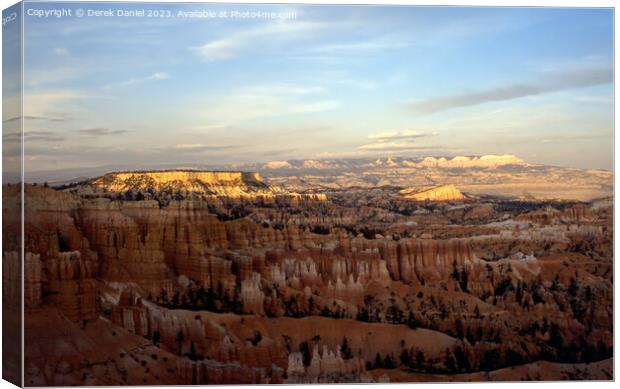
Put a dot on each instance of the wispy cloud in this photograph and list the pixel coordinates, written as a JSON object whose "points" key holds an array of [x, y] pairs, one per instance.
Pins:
{"points": [[32, 136], [61, 51], [57, 75], [100, 131], [578, 78], [583, 135], [256, 39], [274, 152], [361, 84], [395, 146], [51, 103], [266, 100], [595, 99], [400, 135], [59, 118], [210, 127], [282, 89], [361, 47], [199, 147], [157, 76], [397, 141], [46, 136], [194, 150]]}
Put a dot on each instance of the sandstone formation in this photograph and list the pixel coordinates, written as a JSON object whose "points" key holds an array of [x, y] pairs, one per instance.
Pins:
{"points": [[505, 176], [233, 281], [230, 184], [437, 193], [485, 161]]}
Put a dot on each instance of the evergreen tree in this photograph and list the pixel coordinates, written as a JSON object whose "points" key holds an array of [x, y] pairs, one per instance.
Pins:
{"points": [[304, 348], [450, 363], [345, 350], [405, 358], [411, 321], [573, 287], [464, 281], [555, 338], [378, 362], [455, 271], [156, 337], [461, 359], [419, 359], [257, 338]]}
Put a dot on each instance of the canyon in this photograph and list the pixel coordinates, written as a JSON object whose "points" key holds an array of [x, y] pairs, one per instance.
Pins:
{"points": [[305, 273]]}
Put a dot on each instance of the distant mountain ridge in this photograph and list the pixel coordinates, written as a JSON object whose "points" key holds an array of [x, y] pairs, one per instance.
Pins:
{"points": [[483, 161], [497, 175]]}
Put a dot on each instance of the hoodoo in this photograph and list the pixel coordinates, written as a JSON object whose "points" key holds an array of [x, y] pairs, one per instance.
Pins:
{"points": [[223, 277]]}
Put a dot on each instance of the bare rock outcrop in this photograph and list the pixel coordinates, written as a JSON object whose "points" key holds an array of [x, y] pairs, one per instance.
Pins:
{"points": [[438, 193]]}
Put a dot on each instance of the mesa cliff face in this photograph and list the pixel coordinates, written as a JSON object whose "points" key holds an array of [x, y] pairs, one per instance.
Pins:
{"points": [[359, 286], [229, 184], [226, 184], [437, 193], [232, 184]]}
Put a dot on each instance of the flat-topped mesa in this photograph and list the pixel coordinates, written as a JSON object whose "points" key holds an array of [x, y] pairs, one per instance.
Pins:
{"points": [[438, 193], [234, 184], [228, 184]]}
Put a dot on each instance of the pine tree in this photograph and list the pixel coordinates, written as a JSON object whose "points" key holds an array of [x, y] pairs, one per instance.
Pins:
{"points": [[304, 348], [450, 363], [461, 359], [411, 321], [405, 358], [156, 337], [419, 358], [345, 350], [378, 362], [555, 339], [573, 287]]}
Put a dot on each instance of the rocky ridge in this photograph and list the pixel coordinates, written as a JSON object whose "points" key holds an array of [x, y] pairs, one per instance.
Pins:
{"points": [[438, 193], [505, 176], [483, 161], [226, 184]]}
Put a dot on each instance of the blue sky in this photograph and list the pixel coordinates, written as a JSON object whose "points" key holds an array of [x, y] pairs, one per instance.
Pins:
{"points": [[336, 81]]}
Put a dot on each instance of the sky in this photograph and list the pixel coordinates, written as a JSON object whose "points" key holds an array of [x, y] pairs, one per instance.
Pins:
{"points": [[330, 82]]}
